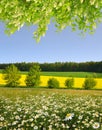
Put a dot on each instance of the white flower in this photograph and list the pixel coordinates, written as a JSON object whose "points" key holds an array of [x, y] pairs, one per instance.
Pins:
{"points": [[63, 125], [76, 129], [15, 122], [17, 117], [80, 117], [23, 121], [1, 118], [31, 120], [73, 125], [44, 128], [15, 113], [50, 127], [96, 125], [69, 116], [35, 127], [18, 109], [32, 125]]}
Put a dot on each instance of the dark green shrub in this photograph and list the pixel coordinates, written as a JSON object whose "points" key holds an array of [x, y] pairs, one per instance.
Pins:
{"points": [[33, 77], [89, 83], [53, 83], [11, 76], [69, 83]]}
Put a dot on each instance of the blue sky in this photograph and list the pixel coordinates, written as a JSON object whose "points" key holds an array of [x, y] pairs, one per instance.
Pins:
{"points": [[65, 46]]}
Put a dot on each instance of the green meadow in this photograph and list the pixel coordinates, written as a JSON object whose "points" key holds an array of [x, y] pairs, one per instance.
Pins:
{"points": [[50, 109], [72, 74], [67, 74]]}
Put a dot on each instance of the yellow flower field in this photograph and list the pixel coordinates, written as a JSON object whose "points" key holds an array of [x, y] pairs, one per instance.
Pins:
{"points": [[44, 79], [78, 81], [1, 79]]}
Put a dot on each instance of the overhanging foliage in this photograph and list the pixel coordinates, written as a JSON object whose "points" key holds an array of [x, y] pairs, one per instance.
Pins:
{"points": [[79, 14]]}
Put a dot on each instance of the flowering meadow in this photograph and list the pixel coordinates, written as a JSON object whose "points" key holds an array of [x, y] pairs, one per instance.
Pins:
{"points": [[50, 109]]}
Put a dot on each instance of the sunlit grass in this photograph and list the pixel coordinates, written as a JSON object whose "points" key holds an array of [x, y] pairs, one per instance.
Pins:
{"points": [[72, 74], [65, 74], [15, 92]]}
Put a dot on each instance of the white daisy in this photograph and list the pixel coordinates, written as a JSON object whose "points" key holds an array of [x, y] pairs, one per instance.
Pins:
{"points": [[96, 125], [69, 116]]}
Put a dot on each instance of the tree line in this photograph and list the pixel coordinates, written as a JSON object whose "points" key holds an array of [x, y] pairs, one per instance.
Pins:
{"points": [[12, 76], [59, 66]]}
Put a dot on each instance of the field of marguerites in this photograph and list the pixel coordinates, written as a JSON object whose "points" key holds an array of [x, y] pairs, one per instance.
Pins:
{"points": [[50, 109]]}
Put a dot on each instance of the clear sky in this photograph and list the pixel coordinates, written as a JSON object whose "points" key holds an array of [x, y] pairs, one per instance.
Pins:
{"points": [[65, 46]]}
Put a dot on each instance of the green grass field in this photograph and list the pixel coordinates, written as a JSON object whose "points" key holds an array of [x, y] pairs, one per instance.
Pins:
{"points": [[68, 74], [72, 74], [16, 92], [1, 71]]}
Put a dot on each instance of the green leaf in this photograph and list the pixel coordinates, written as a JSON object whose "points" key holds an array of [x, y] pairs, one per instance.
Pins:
{"points": [[84, 15]]}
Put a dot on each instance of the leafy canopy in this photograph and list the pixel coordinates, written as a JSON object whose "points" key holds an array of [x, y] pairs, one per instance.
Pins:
{"points": [[89, 83], [12, 76], [53, 83], [83, 15], [33, 77], [69, 83]]}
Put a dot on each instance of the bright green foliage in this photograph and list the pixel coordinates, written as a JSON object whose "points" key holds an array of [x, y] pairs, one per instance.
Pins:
{"points": [[12, 76], [33, 77], [89, 83], [79, 14], [53, 83], [69, 83]]}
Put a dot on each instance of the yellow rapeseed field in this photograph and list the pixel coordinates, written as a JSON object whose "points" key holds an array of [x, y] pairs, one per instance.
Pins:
{"points": [[1, 79], [78, 81]]}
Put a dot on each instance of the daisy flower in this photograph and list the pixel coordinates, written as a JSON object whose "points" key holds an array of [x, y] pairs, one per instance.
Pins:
{"points": [[96, 125], [69, 116]]}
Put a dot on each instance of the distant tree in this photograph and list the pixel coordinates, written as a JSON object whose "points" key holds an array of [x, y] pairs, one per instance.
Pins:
{"points": [[33, 77], [11, 76], [60, 66], [69, 83], [84, 15], [89, 83], [53, 83]]}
